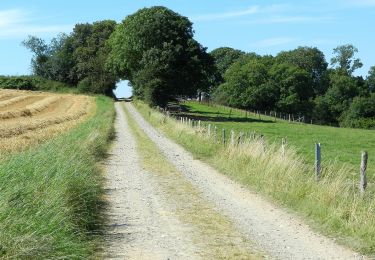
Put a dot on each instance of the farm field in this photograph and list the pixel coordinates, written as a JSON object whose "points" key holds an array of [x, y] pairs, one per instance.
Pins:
{"points": [[339, 145], [31, 117]]}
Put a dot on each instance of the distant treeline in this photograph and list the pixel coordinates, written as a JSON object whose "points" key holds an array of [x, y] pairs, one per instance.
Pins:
{"points": [[155, 50], [297, 82]]}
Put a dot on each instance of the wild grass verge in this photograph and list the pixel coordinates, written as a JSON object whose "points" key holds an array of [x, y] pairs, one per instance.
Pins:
{"points": [[333, 205], [50, 195]]}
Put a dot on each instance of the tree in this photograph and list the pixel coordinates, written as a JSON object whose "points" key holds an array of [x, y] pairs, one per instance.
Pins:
{"points": [[343, 89], [310, 59], [90, 54], [77, 59], [371, 79], [361, 113], [247, 85], [344, 60], [154, 49], [295, 88], [224, 57]]}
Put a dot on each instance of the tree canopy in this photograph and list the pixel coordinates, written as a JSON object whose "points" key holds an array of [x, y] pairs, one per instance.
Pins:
{"points": [[154, 49], [344, 60], [78, 58]]}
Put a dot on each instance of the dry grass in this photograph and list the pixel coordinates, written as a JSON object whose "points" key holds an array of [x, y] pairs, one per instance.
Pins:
{"points": [[28, 118]]}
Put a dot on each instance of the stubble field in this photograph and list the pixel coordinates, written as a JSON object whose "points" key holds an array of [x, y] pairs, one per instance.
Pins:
{"points": [[28, 118]]}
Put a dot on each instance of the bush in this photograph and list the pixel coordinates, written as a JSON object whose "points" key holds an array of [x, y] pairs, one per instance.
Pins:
{"points": [[361, 113], [17, 82]]}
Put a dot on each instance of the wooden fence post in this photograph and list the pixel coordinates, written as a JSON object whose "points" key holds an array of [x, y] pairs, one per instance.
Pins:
{"points": [[363, 180], [223, 136], [283, 143], [199, 124], [209, 130], [240, 138], [215, 134], [263, 143], [232, 137], [318, 159]]}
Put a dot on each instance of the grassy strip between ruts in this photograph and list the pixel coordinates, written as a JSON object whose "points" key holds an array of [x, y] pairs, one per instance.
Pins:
{"points": [[333, 206], [213, 233], [51, 195]]}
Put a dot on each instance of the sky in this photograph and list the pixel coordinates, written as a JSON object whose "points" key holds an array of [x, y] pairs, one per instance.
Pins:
{"points": [[264, 27]]}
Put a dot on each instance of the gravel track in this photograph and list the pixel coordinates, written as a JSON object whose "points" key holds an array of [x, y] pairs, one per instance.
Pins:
{"points": [[140, 223], [281, 234]]}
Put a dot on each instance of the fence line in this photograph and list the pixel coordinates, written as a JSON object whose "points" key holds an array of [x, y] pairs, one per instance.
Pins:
{"points": [[253, 136]]}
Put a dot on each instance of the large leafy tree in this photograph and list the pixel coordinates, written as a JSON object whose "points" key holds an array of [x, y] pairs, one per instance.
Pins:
{"points": [[295, 88], [312, 60], [344, 60], [342, 90], [90, 56], [361, 113], [224, 57], [154, 49], [78, 58], [247, 85]]}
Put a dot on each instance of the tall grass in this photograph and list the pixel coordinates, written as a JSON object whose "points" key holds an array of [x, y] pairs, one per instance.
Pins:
{"points": [[333, 205], [50, 195]]}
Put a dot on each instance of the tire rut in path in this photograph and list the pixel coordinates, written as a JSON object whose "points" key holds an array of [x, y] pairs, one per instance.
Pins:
{"points": [[279, 233], [140, 225]]}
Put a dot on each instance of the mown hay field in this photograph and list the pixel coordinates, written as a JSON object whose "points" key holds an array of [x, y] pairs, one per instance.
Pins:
{"points": [[28, 118]]}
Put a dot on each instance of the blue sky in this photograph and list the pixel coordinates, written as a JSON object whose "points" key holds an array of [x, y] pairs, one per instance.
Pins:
{"points": [[264, 27]]}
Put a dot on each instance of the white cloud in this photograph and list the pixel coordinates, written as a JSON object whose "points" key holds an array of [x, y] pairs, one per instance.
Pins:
{"points": [[218, 16], [270, 42], [290, 19], [16, 23]]}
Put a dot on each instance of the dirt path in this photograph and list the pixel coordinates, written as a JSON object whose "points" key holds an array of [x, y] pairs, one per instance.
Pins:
{"points": [[139, 223], [281, 234]]}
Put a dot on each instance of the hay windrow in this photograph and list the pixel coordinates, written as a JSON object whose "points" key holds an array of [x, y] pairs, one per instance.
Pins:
{"points": [[49, 114]]}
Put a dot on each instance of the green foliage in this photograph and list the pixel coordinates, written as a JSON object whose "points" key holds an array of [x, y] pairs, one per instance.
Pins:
{"points": [[17, 82], [81, 55], [154, 49], [246, 85], [344, 59], [295, 88], [361, 113], [34, 83], [259, 83], [311, 60], [51, 195], [342, 90], [371, 79], [224, 57]]}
